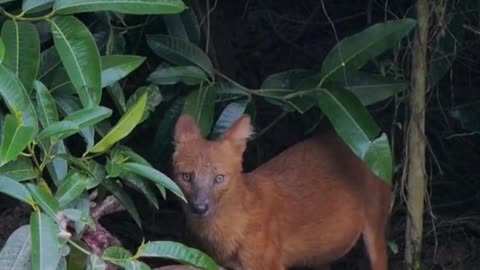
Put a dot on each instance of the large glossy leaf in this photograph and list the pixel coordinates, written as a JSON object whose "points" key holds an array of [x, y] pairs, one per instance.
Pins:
{"points": [[49, 62], [118, 97], [200, 104], [154, 98], [19, 170], [370, 88], [230, 114], [36, 5], [89, 116], [58, 167], [45, 243], [355, 51], [191, 25], [162, 145], [116, 67], [379, 158], [349, 118], [124, 199], [124, 126], [122, 6], [178, 252], [72, 188], [189, 75], [80, 56], [15, 139], [95, 263], [59, 130], [46, 201], [2, 51], [14, 189], [174, 25], [15, 254], [22, 47], [17, 99], [289, 99], [46, 106], [141, 185], [155, 176], [179, 51]]}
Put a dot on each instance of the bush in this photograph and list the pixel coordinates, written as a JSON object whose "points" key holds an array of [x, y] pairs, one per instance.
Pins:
{"points": [[52, 74]]}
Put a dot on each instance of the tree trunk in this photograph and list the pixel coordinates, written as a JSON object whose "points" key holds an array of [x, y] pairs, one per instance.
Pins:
{"points": [[416, 174]]}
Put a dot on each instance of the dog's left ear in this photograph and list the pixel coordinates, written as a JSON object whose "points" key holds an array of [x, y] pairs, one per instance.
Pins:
{"points": [[239, 133], [186, 129]]}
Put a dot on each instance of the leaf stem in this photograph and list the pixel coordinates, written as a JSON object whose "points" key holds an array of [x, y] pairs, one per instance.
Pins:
{"points": [[20, 17], [86, 252]]}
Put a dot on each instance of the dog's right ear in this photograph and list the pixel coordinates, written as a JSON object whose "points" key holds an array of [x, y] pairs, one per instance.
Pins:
{"points": [[186, 129]]}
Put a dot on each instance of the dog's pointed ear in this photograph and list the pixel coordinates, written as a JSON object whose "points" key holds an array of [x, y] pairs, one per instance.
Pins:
{"points": [[239, 133], [186, 129]]}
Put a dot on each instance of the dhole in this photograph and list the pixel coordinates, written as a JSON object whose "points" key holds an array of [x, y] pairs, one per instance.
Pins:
{"points": [[307, 206]]}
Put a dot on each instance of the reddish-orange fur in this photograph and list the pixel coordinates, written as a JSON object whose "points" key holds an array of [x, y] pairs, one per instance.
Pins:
{"points": [[307, 206]]}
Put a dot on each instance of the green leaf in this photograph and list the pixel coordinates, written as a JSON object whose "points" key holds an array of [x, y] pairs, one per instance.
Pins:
{"points": [[16, 190], [129, 154], [123, 198], [134, 265], [349, 118], [20, 170], [191, 25], [230, 114], [123, 6], [58, 167], [46, 201], [59, 130], [89, 116], [372, 88], [230, 90], [15, 254], [379, 158], [177, 252], [97, 171], [17, 99], [72, 188], [155, 176], [116, 254], [289, 79], [2, 51], [189, 75], [77, 215], [118, 97], [174, 25], [45, 243], [200, 104], [46, 106], [36, 5], [95, 263], [180, 52], [154, 98], [124, 126], [15, 139], [140, 185], [49, 62], [355, 51], [80, 56], [116, 67], [22, 47], [162, 146]]}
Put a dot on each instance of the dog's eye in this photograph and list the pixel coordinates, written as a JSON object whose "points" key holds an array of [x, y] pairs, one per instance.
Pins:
{"points": [[219, 178], [187, 177]]}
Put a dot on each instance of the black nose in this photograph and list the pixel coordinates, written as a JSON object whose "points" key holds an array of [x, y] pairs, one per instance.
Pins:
{"points": [[200, 208]]}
